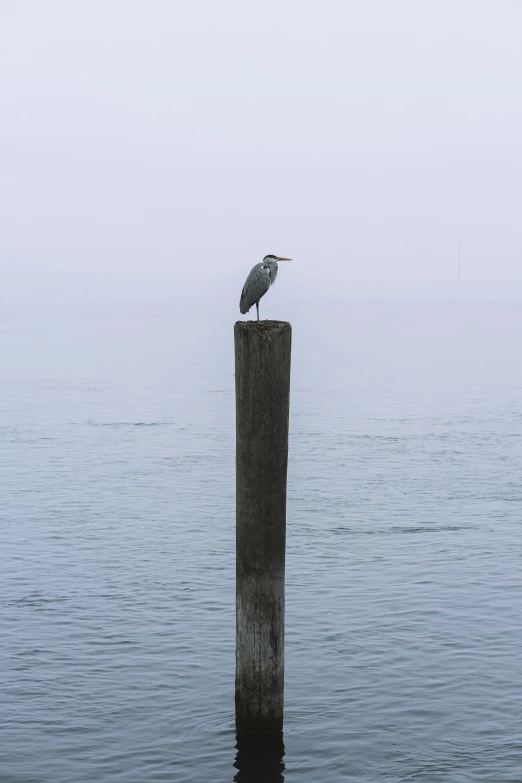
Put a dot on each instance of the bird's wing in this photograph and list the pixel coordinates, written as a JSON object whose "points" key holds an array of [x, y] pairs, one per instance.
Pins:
{"points": [[256, 285]]}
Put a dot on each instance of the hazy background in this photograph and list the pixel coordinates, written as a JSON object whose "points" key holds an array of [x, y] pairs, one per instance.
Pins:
{"points": [[177, 143], [156, 150]]}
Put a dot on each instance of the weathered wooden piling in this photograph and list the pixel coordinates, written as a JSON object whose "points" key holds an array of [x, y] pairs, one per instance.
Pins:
{"points": [[262, 409]]}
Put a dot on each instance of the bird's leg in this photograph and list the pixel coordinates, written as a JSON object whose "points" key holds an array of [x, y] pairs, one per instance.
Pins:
{"points": [[257, 305]]}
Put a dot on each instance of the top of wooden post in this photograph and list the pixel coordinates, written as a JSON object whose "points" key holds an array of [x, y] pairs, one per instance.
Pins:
{"points": [[262, 326]]}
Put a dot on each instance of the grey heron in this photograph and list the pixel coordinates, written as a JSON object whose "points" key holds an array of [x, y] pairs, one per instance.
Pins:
{"points": [[261, 277]]}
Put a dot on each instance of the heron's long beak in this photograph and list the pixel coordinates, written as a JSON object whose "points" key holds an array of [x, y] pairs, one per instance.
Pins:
{"points": [[283, 259]]}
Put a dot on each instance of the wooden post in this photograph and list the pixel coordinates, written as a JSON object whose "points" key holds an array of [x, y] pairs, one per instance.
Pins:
{"points": [[262, 408]]}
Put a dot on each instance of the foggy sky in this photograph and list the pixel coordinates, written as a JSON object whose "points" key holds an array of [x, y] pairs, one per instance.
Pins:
{"points": [[185, 140]]}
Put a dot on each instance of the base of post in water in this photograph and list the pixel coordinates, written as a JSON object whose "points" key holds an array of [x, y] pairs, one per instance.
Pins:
{"points": [[260, 757], [262, 410]]}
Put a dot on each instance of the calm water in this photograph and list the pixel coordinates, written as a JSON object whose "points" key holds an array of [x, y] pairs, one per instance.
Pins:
{"points": [[404, 560]]}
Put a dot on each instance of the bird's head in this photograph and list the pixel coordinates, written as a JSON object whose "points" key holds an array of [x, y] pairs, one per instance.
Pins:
{"points": [[271, 259]]}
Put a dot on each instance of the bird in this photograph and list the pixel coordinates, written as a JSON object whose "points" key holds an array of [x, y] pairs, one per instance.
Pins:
{"points": [[261, 277]]}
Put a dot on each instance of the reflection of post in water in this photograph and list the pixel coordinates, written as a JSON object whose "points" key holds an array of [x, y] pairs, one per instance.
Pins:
{"points": [[259, 758]]}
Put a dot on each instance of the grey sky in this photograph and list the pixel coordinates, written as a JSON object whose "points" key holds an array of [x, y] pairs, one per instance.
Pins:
{"points": [[165, 140]]}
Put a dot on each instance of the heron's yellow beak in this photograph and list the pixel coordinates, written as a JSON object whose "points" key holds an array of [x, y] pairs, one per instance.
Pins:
{"points": [[283, 259]]}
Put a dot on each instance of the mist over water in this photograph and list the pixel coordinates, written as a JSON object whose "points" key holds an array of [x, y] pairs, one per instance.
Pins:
{"points": [[403, 554], [150, 154]]}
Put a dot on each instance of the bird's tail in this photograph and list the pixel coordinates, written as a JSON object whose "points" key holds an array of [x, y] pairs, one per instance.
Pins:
{"points": [[243, 307]]}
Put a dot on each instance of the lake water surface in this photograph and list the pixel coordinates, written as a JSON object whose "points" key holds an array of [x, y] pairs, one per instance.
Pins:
{"points": [[404, 552]]}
